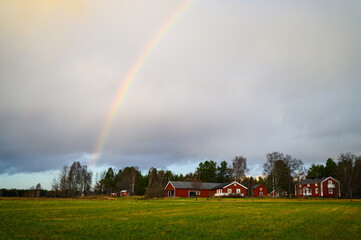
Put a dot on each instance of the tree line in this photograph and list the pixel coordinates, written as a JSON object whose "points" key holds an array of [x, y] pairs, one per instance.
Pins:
{"points": [[280, 173]]}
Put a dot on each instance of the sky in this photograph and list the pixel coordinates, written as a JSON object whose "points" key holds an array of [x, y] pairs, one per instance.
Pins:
{"points": [[225, 78]]}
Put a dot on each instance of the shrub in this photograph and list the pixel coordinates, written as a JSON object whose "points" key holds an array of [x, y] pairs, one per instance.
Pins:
{"points": [[154, 192]]}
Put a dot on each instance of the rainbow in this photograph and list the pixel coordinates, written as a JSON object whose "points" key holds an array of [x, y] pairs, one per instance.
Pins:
{"points": [[131, 75]]}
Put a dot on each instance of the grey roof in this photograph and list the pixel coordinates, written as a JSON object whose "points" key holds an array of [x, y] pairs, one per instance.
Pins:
{"points": [[315, 180], [202, 185], [256, 186]]}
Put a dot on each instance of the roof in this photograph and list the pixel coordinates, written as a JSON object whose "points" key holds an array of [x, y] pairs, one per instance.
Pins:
{"points": [[256, 186], [202, 185], [315, 180]]}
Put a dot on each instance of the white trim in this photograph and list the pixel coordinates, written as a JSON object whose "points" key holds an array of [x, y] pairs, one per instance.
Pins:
{"points": [[321, 189], [328, 178], [170, 184], [234, 183], [339, 189], [192, 191]]}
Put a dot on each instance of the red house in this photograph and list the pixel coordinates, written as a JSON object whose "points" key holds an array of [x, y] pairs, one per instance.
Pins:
{"points": [[259, 191], [276, 193], [204, 189], [319, 187]]}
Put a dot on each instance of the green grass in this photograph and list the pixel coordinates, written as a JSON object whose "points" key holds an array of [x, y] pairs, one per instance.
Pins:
{"points": [[135, 218]]}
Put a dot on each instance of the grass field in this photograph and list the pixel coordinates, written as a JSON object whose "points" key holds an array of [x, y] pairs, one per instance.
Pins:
{"points": [[135, 218]]}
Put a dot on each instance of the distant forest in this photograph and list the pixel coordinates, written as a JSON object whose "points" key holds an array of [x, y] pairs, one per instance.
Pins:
{"points": [[280, 172]]}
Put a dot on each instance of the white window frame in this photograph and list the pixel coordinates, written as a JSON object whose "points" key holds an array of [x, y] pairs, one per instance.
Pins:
{"points": [[316, 185], [316, 190], [330, 191], [229, 190], [238, 190], [260, 189]]}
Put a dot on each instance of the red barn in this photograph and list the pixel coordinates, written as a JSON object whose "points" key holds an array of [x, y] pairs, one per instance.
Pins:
{"points": [[319, 187], [124, 193], [259, 191], [204, 189]]}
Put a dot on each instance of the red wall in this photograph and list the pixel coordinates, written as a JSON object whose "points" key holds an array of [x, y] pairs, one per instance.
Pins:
{"points": [[234, 187], [324, 186], [257, 190], [203, 193], [185, 192]]}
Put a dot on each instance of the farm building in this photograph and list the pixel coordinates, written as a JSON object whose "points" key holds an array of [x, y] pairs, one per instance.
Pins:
{"points": [[204, 189], [259, 191], [319, 187], [276, 193], [124, 193]]}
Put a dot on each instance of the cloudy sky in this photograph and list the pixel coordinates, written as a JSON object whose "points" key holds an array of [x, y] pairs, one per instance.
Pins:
{"points": [[227, 78]]}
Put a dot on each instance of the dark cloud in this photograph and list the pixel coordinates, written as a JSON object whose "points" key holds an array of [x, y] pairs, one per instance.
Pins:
{"points": [[227, 79]]}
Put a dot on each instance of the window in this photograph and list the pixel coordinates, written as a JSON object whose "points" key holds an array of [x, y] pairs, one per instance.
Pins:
{"points": [[300, 192], [309, 191], [316, 190], [260, 189], [242, 194], [330, 191], [316, 184], [300, 186], [235, 185], [229, 190], [261, 194], [329, 182], [198, 192], [308, 185], [238, 190]]}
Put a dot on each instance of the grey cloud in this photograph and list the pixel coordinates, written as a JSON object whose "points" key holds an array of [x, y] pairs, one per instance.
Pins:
{"points": [[226, 79]]}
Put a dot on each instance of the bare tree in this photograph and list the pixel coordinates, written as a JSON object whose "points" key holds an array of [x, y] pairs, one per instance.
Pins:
{"points": [[133, 179], [296, 171], [63, 183], [38, 189], [55, 185], [239, 167], [196, 183], [346, 171], [282, 170], [155, 188]]}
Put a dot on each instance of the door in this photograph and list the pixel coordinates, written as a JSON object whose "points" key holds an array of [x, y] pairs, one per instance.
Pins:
{"points": [[305, 193], [192, 194]]}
